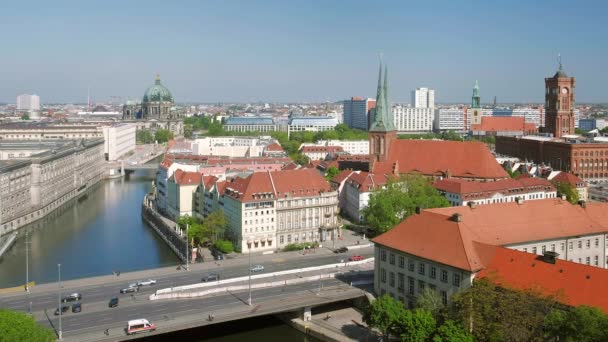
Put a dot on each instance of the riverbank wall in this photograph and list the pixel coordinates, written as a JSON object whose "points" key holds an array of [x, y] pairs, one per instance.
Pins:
{"points": [[165, 230]]}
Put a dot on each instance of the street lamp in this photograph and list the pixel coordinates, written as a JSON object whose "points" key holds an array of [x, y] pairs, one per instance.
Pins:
{"points": [[249, 248], [27, 273], [187, 264], [59, 299]]}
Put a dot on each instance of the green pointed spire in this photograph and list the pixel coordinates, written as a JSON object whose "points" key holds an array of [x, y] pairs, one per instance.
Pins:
{"points": [[383, 120], [476, 99]]}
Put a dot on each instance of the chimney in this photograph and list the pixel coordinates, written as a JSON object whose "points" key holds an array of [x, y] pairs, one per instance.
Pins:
{"points": [[583, 204], [472, 204], [550, 257], [456, 217], [418, 210], [564, 197], [519, 200]]}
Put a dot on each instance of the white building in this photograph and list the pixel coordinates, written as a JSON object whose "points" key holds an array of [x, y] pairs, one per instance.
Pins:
{"points": [[316, 152], [269, 210], [232, 146], [352, 147], [357, 112], [250, 124], [165, 171], [357, 190], [461, 192], [28, 102], [413, 120], [181, 187], [45, 131], [423, 98], [119, 140], [311, 124]]}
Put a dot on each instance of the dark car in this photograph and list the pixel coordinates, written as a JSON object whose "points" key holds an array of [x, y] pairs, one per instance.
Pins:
{"points": [[72, 297], [77, 307], [113, 302], [341, 250], [211, 277], [64, 308]]}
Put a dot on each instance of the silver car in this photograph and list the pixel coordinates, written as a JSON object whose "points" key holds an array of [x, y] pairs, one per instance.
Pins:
{"points": [[257, 268]]}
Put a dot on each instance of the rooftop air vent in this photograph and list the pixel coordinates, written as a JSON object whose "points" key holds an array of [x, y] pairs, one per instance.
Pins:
{"points": [[472, 204], [550, 257], [456, 217]]}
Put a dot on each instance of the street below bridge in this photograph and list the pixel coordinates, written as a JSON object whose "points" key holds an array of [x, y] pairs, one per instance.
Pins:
{"points": [[97, 291]]}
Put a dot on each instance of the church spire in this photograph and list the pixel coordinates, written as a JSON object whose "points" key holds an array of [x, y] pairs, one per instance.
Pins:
{"points": [[476, 99], [383, 120]]}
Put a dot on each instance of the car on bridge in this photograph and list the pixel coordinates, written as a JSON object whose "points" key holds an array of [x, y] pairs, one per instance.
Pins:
{"points": [[77, 307], [129, 289], [257, 268], [146, 282], [64, 309], [355, 258], [139, 325], [211, 277], [113, 302], [72, 297], [341, 250]]}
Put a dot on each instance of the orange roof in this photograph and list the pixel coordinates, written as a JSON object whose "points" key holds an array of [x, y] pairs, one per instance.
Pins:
{"points": [[571, 283], [508, 186], [495, 224], [285, 183], [187, 177], [221, 187], [366, 182], [567, 177], [274, 147], [504, 123], [166, 163], [290, 166], [320, 149], [208, 182], [342, 176], [438, 157]]}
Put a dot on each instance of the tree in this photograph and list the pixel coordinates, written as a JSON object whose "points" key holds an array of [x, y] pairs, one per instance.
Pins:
{"points": [[197, 232], [143, 136], [568, 190], [216, 224], [25, 116], [398, 200], [384, 313], [582, 323], [430, 301], [416, 325], [17, 326], [332, 171], [224, 246], [163, 135], [450, 331], [188, 131]]}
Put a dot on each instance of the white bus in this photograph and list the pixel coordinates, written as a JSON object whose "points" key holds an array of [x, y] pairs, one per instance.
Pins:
{"points": [[139, 325]]}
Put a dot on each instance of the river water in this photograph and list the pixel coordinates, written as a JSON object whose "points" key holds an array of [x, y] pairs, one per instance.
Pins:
{"points": [[104, 232]]}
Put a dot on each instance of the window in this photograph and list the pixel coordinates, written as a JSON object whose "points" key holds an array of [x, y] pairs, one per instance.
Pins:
{"points": [[391, 279], [433, 274], [552, 247], [588, 260], [401, 261], [534, 250], [392, 259], [596, 260], [410, 283], [570, 245], [543, 249], [561, 246], [420, 286], [383, 275], [444, 276], [411, 266], [597, 242], [421, 268], [383, 255], [444, 297], [588, 244], [456, 279], [400, 282], [580, 244]]}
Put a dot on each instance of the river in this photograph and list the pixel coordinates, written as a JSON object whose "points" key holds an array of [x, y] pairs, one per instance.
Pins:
{"points": [[104, 232]]}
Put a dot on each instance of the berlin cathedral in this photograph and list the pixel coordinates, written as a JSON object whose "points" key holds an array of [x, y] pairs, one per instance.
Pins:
{"points": [[157, 104]]}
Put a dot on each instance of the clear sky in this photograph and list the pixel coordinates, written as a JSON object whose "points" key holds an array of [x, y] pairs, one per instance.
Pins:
{"points": [[300, 50]]}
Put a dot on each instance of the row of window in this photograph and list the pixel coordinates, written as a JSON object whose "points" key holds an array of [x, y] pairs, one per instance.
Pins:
{"points": [[579, 244], [422, 268], [456, 279]]}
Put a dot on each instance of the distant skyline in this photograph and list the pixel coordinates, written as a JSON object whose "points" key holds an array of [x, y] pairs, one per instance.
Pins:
{"points": [[300, 51]]}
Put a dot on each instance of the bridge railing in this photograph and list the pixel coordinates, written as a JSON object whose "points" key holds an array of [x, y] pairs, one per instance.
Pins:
{"points": [[262, 276]]}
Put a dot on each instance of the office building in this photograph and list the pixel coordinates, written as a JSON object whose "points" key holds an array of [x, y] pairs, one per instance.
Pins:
{"points": [[119, 140], [413, 120], [423, 98], [28, 102], [357, 112]]}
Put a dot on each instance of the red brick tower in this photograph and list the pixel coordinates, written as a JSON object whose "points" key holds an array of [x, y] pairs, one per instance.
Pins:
{"points": [[559, 103]]}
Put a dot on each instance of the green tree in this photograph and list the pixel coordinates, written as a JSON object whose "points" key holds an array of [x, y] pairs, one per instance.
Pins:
{"points": [[398, 200], [450, 331], [416, 325], [188, 131], [224, 246], [163, 135], [143, 136], [383, 314], [513, 174], [582, 323], [197, 232], [332, 171], [216, 224], [16, 326], [568, 190], [299, 158], [25, 116], [216, 129], [430, 301]]}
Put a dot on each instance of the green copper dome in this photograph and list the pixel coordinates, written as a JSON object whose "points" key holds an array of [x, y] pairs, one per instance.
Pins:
{"points": [[157, 93]]}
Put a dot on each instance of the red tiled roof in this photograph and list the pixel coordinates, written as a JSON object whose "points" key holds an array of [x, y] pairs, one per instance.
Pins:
{"points": [[495, 224], [221, 187], [208, 182], [320, 149], [274, 147], [187, 177], [438, 157], [567, 177], [366, 182], [290, 166], [166, 163], [342, 176], [285, 183], [571, 283], [504, 123], [464, 187]]}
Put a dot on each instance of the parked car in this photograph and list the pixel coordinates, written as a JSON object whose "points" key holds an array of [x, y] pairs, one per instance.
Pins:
{"points": [[219, 256], [72, 297], [77, 307], [146, 282], [64, 308], [129, 289], [113, 302], [211, 277], [257, 268], [355, 258], [341, 250]]}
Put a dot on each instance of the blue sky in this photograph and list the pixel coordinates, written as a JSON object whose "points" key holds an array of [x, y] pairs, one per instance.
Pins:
{"points": [[308, 50]]}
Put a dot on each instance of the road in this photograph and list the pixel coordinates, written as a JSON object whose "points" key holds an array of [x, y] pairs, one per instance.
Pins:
{"points": [[96, 292]]}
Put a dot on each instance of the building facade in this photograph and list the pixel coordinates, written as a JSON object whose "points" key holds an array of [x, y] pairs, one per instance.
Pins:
{"points": [[357, 112], [423, 98], [311, 124], [45, 131], [357, 191], [119, 140], [250, 124], [28, 102], [559, 104], [413, 120]]}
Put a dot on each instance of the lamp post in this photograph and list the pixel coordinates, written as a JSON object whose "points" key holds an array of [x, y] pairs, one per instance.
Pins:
{"points": [[187, 263], [27, 272], [249, 248], [59, 299]]}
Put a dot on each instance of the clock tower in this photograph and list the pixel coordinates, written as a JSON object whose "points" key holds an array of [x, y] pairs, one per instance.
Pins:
{"points": [[475, 106], [559, 103]]}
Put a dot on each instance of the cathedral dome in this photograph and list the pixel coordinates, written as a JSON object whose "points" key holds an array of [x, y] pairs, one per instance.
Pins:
{"points": [[157, 93]]}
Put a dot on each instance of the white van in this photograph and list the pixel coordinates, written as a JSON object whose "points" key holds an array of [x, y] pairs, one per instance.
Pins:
{"points": [[139, 325]]}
